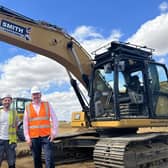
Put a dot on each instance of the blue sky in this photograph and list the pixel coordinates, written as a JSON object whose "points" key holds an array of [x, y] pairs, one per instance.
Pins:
{"points": [[103, 14], [93, 23]]}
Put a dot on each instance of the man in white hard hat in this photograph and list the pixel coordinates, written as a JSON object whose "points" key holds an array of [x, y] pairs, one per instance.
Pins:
{"points": [[8, 126], [38, 130]]}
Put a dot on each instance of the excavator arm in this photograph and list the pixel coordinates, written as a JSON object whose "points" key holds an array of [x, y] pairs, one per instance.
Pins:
{"points": [[45, 39]]}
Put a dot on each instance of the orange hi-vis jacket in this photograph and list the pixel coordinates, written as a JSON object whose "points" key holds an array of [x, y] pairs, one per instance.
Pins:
{"points": [[39, 125]]}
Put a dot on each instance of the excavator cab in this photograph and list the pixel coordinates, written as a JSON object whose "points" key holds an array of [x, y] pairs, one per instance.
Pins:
{"points": [[127, 83]]}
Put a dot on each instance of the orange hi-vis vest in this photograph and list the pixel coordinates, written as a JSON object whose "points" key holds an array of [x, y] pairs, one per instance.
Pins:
{"points": [[39, 125]]}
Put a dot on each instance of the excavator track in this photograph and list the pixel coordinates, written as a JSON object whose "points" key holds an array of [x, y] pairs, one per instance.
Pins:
{"points": [[136, 151], [73, 147]]}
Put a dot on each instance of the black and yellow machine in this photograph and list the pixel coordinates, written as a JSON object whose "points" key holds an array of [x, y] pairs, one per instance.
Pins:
{"points": [[127, 90], [18, 104]]}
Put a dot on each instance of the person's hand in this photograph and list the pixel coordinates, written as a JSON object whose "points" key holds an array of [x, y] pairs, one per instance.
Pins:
{"points": [[29, 142], [51, 137]]}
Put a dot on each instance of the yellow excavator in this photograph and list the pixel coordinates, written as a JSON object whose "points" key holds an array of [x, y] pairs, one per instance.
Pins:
{"points": [[127, 90]]}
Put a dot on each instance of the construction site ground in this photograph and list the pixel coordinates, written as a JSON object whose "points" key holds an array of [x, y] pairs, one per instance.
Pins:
{"points": [[26, 161]]}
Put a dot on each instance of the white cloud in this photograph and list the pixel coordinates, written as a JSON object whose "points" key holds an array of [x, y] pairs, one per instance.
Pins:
{"points": [[64, 103], [153, 34], [163, 6], [85, 32], [20, 73], [91, 39]]}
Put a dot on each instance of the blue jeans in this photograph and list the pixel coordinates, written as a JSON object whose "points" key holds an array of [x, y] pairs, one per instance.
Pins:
{"points": [[37, 145], [7, 150]]}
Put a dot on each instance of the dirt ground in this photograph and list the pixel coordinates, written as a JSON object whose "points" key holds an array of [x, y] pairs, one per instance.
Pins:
{"points": [[27, 162]]}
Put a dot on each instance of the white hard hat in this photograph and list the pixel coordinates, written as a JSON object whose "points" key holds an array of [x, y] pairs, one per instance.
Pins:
{"points": [[35, 89], [6, 95]]}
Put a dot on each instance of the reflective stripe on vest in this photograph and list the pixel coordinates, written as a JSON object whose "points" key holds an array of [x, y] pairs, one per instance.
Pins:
{"points": [[39, 118], [39, 125]]}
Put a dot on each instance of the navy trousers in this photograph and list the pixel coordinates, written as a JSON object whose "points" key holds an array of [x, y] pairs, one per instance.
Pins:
{"points": [[39, 144], [8, 151]]}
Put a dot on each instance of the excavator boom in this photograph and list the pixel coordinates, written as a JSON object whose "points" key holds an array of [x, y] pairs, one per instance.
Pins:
{"points": [[45, 39]]}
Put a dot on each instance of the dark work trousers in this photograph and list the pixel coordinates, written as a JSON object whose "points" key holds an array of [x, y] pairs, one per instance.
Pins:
{"points": [[37, 145], [8, 151]]}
